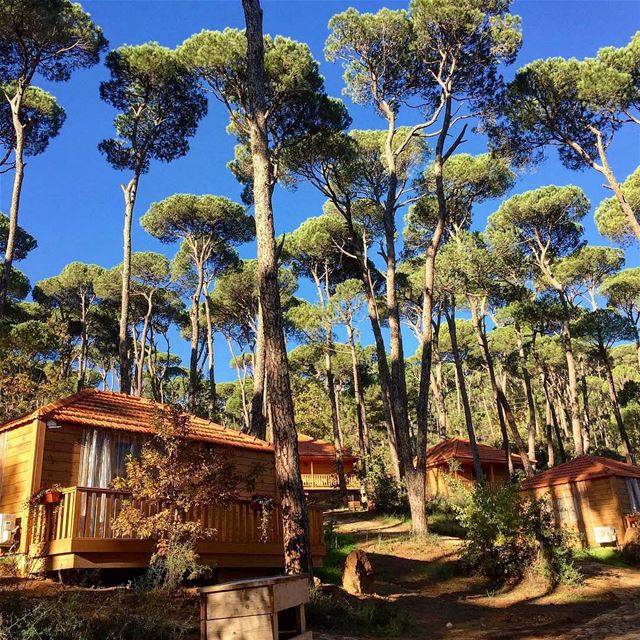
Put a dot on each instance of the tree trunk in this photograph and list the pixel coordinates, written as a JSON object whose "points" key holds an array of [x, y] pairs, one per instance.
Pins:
{"points": [[361, 413], [335, 421], [415, 472], [16, 193], [258, 417], [471, 432], [143, 341], [500, 398], [526, 377], [194, 317], [130, 192], [297, 547], [82, 364], [383, 369], [576, 422], [436, 384], [548, 432], [605, 169], [585, 406], [615, 406], [213, 400]]}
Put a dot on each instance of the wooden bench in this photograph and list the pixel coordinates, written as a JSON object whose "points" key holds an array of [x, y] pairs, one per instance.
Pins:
{"points": [[256, 609]]}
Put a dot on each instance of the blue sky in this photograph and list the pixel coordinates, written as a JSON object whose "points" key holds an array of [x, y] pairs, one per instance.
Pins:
{"points": [[72, 202]]}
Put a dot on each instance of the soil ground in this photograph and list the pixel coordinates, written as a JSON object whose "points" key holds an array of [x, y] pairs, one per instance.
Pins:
{"points": [[423, 578], [443, 601]]}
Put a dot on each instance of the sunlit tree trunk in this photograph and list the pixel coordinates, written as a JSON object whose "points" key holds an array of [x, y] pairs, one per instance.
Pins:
{"points": [[213, 400], [130, 192], [361, 412], [18, 177], [297, 547], [450, 311], [499, 396], [526, 378]]}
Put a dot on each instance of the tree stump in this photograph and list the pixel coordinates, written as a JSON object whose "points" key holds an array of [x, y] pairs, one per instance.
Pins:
{"points": [[358, 573]]}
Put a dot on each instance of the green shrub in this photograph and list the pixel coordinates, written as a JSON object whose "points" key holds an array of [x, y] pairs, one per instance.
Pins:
{"points": [[383, 490], [509, 534], [374, 617], [77, 617], [339, 546], [442, 518]]}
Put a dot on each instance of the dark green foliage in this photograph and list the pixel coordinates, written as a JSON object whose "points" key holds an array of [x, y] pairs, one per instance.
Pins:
{"points": [[384, 491], [508, 533], [40, 114], [159, 104], [52, 37]]}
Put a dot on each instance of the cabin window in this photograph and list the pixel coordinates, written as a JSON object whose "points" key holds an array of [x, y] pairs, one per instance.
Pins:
{"points": [[566, 510], [103, 456], [633, 488], [3, 449]]}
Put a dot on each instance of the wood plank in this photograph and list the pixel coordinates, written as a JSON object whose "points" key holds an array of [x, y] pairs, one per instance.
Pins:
{"points": [[291, 593], [240, 628], [238, 602]]}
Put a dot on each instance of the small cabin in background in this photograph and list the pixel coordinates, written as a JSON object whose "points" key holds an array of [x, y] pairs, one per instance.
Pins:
{"points": [[318, 469], [597, 497], [80, 444], [456, 453]]}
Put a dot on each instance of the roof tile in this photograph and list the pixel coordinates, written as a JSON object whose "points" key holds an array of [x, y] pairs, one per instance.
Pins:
{"points": [[460, 448], [111, 410], [582, 468]]}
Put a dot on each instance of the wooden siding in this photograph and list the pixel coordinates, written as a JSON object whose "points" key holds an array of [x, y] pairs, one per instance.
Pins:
{"points": [[17, 469], [437, 477], [322, 466], [581, 506], [62, 451]]}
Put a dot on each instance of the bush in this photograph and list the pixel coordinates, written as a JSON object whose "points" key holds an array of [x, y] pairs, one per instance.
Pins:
{"points": [[509, 534], [442, 519], [373, 617], [75, 617], [384, 491]]}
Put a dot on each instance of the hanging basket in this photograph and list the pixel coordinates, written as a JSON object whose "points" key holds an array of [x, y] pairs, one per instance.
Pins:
{"points": [[52, 496]]}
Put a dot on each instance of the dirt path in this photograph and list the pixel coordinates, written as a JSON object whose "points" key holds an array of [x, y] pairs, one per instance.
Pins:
{"points": [[424, 578]]}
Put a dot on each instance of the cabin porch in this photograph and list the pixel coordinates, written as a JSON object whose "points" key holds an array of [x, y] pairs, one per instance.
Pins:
{"points": [[77, 534], [327, 481]]}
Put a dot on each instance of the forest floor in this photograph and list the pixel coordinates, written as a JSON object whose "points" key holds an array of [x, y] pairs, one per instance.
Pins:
{"points": [[421, 592], [440, 600]]}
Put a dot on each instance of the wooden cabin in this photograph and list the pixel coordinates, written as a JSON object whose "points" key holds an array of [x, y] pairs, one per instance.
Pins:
{"points": [[453, 457], [597, 497], [318, 469], [80, 444]]}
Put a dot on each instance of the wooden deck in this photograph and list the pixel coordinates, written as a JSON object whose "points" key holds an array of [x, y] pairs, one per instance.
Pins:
{"points": [[327, 481], [78, 533]]}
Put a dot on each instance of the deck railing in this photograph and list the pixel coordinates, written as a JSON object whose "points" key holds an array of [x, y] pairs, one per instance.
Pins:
{"points": [[328, 481], [88, 513]]}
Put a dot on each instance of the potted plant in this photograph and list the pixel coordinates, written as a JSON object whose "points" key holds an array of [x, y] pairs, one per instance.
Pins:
{"points": [[52, 495]]}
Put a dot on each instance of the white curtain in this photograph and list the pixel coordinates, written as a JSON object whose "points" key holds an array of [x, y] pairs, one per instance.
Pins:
{"points": [[103, 456], [633, 487]]}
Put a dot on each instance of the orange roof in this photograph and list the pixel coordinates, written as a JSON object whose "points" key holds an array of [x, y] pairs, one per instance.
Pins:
{"points": [[460, 449], [111, 410], [315, 448], [582, 468]]}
